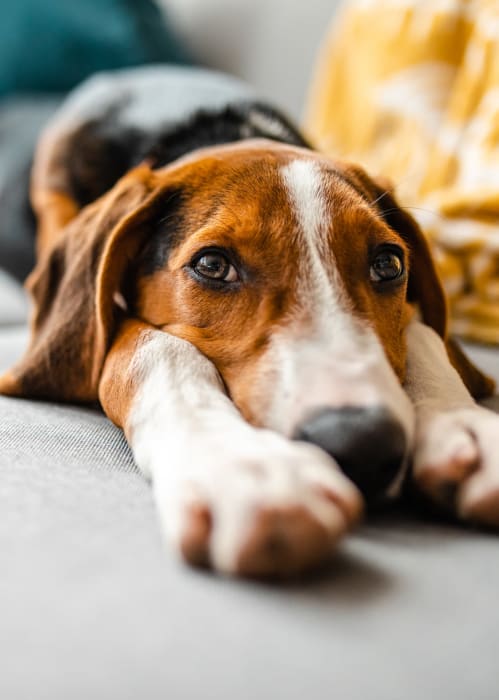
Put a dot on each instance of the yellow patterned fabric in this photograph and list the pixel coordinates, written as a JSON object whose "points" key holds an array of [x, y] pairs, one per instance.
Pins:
{"points": [[410, 89]]}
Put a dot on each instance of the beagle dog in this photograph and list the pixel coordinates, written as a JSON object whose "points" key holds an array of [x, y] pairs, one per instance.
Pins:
{"points": [[264, 323]]}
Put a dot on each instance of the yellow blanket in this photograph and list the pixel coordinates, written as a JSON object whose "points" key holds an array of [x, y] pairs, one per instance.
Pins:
{"points": [[410, 89]]}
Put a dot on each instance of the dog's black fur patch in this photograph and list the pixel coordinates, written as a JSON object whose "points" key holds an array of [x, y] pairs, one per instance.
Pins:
{"points": [[166, 234], [103, 150]]}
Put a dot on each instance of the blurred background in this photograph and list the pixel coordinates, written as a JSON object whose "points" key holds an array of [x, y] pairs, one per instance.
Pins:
{"points": [[270, 43], [52, 45]]}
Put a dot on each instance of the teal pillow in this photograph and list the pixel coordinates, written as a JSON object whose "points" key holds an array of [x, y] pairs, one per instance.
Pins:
{"points": [[51, 45]]}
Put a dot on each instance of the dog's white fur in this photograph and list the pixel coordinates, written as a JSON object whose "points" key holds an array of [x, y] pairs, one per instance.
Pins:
{"points": [[189, 438]]}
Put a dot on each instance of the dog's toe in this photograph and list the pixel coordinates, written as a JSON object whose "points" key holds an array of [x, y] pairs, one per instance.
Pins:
{"points": [[195, 537], [456, 462], [286, 541], [274, 512], [478, 498]]}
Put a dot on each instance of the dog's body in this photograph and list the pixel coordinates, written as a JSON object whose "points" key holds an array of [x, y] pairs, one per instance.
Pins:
{"points": [[213, 254]]}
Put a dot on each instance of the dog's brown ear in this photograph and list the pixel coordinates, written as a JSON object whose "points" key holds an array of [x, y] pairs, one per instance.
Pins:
{"points": [[424, 288], [479, 384], [73, 287]]}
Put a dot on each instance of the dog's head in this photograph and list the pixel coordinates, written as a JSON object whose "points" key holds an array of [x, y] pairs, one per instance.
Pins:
{"points": [[295, 275]]}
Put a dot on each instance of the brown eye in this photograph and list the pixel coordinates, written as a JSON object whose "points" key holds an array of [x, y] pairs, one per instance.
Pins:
{"points": [[387, 266], [215, 266]]}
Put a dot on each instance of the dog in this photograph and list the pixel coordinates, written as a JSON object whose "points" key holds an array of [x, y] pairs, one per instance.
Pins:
{"points": [[264, 323]]}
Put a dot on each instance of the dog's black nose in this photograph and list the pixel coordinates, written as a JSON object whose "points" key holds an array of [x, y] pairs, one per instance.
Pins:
{"points": [[369, 444]]}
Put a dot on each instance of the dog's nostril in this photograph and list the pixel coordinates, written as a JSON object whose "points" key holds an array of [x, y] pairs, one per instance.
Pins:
{"points": [[369, 444]]}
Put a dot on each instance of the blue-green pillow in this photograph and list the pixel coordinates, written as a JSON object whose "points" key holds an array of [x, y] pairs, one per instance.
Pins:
{"points": [[51, 45]]}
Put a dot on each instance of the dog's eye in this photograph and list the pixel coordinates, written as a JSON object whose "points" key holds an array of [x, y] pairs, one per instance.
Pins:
{"points": [[215, 266], [387, 266]]}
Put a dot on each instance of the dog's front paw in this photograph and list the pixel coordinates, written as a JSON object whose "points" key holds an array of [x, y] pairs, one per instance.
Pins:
{"points": [[268, 508], [456, 462]]}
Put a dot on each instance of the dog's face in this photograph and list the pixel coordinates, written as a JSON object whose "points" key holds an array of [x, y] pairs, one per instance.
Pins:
{"points": [[277, 264], [292, 273]]}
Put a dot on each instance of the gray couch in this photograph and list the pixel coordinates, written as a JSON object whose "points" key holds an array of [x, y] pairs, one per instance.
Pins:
{"points": [[92, 606]]}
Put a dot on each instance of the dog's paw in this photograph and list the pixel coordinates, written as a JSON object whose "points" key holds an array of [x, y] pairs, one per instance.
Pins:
{"points": [[456, 462], [271, 508]]}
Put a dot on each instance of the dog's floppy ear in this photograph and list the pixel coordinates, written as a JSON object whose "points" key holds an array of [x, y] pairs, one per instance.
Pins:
{"points": [[424, 288], [73, 285]]}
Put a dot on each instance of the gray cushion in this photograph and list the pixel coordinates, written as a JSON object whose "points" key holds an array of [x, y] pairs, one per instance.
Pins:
{"points": [[92, 606]]}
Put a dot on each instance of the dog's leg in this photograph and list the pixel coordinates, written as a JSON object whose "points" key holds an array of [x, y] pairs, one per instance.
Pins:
{"points": [[456, 454], [241, 499]]}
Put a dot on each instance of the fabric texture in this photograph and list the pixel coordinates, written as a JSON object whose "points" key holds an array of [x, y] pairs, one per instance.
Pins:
{"points": [[410, 89], [52, 45]]}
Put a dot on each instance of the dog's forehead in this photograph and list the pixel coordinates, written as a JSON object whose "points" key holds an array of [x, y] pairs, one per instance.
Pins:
{"points": [[284, 180], [287, 202], [261, 159]]}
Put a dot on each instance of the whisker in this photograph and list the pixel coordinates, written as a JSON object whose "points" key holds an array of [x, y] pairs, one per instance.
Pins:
{"points": [[408, 176], [380, 197], [429, 211]]}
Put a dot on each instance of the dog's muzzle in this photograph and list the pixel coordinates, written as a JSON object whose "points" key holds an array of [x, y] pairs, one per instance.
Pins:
{"points": [[368, 443]]}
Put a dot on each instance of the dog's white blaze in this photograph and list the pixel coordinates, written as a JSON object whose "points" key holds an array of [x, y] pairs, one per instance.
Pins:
{"points": [[189, 438], [341, 362], [304, 184]]}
